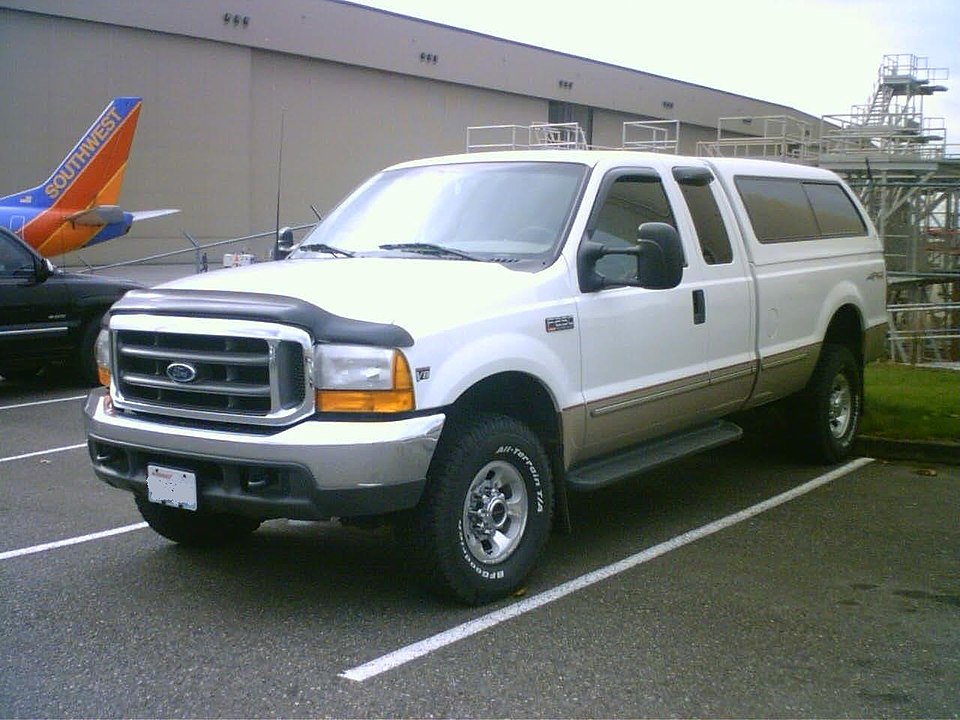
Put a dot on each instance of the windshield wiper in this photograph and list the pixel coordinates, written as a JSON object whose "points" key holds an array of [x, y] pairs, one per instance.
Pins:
{"points": [[430, 249], [329, 249]]}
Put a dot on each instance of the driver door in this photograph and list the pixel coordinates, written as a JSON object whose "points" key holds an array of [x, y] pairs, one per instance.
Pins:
{"points": [[33, 318], [642, 350]]}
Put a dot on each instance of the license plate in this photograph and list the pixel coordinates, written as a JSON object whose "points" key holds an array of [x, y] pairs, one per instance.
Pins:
{"points": [[168, 486]]}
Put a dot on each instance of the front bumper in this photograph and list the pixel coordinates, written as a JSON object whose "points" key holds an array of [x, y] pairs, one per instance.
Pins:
{"points": [[313, 470]]}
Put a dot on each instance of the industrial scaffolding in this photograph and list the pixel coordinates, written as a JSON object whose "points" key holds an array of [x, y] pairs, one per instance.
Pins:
{"points": [[895, 159], [908, 178]]}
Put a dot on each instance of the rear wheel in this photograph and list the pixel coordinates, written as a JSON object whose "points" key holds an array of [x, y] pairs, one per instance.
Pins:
{"points": [[197, 529], [831, 405], [486, 514]]}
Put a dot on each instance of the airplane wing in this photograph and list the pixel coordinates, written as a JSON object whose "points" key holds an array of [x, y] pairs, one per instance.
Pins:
{"points": [[147, 214], [109, 214], [98, 215]]}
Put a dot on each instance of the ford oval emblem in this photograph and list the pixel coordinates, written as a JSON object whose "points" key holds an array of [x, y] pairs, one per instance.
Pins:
{"points": [[181, 372]]}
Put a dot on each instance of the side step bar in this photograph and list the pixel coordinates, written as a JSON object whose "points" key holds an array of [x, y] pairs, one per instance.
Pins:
{"points": [[610, 469]]}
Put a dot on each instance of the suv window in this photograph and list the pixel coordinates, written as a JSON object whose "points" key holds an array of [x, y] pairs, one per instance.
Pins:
{"points": [[14, 259], [786, 209]]}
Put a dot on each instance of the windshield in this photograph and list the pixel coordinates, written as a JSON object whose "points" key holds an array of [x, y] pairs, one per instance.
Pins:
{"points": [[480, 211]]}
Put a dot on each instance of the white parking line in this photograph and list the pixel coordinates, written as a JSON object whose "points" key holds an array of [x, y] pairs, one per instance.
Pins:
{"points": [[448, 637], [71, 541], [42, 452], [41, 402]]}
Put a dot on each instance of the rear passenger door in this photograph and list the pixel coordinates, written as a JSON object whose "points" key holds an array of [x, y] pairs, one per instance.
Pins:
{"points": [[722, 283]]}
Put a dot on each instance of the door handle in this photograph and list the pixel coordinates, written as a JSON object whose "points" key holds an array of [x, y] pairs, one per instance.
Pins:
{"points": [[699, 307]]}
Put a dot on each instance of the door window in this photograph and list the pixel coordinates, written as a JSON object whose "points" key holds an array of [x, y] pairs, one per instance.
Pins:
{"points": [[14, 259], [631, 201]]}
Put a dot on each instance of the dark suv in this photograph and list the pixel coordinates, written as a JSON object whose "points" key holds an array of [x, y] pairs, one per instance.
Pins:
{"points": [[47, 314]]}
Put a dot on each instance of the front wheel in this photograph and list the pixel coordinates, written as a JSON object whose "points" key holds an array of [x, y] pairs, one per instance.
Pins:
{"points": [[486, 514], [21, 372], [831, 405], [195, 528]]}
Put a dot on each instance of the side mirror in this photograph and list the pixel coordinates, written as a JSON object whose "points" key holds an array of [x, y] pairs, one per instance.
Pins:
{"points": [[659, 260], [284, 243], [42, 269], [663, 243]]}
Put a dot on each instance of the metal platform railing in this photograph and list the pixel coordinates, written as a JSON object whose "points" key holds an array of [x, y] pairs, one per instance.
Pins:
{"points": [[766, 137], [642, 135], [898, 135], [535, 136], [662, 136], [924, 332], [201, 261]]}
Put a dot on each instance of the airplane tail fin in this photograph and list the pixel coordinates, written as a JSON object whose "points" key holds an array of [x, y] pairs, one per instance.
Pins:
{"points": [[90, 175]]}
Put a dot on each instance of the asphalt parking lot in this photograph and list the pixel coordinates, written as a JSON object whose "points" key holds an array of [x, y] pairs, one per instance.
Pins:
{"points": [[836, 594]]}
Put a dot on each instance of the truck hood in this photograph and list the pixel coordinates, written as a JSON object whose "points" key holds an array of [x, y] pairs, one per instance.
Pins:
{"points": [[414, 293]]}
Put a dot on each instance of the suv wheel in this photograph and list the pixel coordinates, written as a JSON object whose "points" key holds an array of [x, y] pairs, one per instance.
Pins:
{"points": [[832, 404], [486, 514]]}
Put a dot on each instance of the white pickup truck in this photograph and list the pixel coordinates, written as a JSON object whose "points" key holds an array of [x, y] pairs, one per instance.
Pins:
{"points": [[467, 339]]}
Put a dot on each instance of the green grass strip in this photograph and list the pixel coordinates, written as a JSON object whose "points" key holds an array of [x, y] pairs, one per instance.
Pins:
{"points": [[905, 402]]}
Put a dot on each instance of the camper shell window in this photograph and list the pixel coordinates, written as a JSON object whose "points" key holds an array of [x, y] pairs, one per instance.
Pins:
{"points": [[790, 209]]}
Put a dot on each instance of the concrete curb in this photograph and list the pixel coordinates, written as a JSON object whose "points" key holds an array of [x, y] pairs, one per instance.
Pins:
{"points": [[930, 452]]}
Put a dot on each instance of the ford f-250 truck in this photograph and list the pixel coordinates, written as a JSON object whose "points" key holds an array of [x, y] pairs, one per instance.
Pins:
{"points": [[466, 339]]}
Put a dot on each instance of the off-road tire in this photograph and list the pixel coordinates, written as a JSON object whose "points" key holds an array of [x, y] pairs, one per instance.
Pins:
{"points": [[486, 512], [831, 406]]}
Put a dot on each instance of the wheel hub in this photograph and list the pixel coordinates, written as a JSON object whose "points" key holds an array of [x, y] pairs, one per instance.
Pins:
{"points": [[495, 512], [840, 406], [492, 514]]}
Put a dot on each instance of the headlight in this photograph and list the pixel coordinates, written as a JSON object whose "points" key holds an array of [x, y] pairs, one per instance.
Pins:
{"points": [[102, 353], [356, 378]]}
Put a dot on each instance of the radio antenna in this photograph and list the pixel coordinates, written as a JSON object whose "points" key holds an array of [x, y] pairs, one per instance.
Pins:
{"points": [[276, 236]]}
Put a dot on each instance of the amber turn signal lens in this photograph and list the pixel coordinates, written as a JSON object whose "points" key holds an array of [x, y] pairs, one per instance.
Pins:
{"points": [[370, 401], [400, 398]]}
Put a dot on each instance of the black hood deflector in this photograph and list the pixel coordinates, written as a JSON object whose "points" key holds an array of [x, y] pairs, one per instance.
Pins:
{"points": [[323, 326]]}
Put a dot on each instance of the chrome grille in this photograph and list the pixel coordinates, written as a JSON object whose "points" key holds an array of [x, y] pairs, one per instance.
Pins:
{"points": [[227, 370]]}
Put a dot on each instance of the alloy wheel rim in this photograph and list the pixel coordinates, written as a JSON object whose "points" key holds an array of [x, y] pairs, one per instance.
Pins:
{"points": [[495, 512], [840, 406]]}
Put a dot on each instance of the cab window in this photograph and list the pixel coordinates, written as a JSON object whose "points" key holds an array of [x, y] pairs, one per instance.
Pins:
{"points": [[711, 230]]}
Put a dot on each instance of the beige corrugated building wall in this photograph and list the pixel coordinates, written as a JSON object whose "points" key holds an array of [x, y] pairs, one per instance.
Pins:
{"points": [[357, 88]]}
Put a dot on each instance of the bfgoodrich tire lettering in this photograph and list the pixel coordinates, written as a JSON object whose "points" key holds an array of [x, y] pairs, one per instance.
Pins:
{"points": [[485, 516], [831, 405]]}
